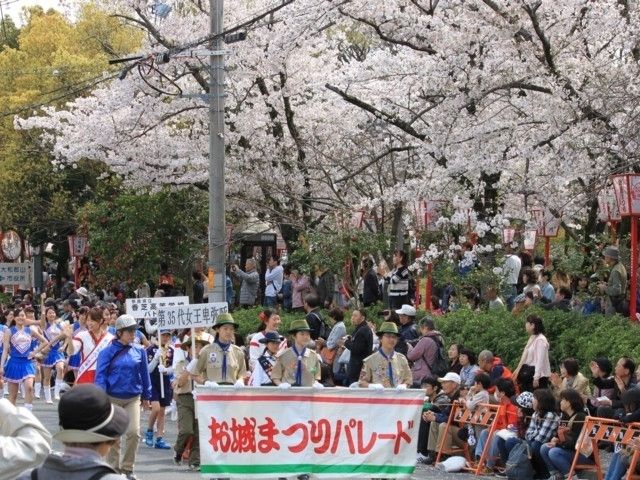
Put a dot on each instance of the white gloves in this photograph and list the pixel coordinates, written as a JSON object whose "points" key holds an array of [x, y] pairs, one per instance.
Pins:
{"points": [[210, 384], [376, 386], [354, 385], [162, 369], [284, 385], [402, 386], [239, 384], [318, 385], [157, 354]]}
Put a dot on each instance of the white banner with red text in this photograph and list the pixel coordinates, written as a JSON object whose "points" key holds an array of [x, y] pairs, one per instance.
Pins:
{"points": [[267, 432]]}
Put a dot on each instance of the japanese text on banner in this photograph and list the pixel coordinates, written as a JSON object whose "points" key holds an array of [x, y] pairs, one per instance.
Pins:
{"points": [[147, 308], [190, 316], [265, 432]]}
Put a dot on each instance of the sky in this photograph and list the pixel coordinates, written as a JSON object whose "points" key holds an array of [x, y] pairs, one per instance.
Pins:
{"points": [[12, 8]]}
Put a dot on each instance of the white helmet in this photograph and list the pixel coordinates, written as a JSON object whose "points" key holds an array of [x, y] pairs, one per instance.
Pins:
{"points": [[126, 322]]}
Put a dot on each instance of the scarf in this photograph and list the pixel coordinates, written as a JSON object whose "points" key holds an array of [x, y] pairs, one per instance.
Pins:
{"points": [[300, 356], [389, 367], [225, 350]]}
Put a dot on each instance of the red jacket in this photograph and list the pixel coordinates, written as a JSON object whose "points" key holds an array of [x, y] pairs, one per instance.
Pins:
{"points": [[498, 371], [507, 414]]}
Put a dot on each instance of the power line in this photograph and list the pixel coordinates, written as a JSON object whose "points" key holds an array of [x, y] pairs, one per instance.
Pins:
{"points": [[61, 97]]}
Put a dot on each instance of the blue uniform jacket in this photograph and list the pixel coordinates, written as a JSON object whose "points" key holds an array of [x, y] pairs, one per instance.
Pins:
{"points": [[122, 371]]}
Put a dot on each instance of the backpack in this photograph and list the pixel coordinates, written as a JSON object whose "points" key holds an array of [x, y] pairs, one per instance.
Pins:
{"points": [[440, 365], [323, 331], [519, 465], [96, 476]]}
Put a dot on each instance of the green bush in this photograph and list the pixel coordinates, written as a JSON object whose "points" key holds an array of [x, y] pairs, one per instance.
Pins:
{"points": [[569, 334]]}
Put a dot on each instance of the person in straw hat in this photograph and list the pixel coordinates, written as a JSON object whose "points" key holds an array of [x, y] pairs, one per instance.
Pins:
{"points": [[298, 366], [89, 426], [182, 388], [222, 362], [386, 368]]}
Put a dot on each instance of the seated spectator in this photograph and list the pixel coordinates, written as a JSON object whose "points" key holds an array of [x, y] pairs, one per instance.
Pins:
{"points": [[494, 367], [530, 281], [569, 378], [495, 302], [435, 400], [601, 372], [469, 369], [546, 289], [24, 442], [507, 419], [89, 426], [454, 357], [542, 428], [558, 453], [623, 380], [438, 420], [562, 300], [630, 413], [522, 302]]}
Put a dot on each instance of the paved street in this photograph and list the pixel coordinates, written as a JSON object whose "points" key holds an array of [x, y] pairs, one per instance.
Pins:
{"points": [[154, 464]]}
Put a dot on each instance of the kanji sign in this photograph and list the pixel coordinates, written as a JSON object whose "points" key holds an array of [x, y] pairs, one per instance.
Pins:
{"points": [[190, 316], [148, 307], [267, 432], [15, 273]]}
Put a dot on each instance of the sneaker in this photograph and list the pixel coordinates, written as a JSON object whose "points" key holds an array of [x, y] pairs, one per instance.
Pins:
{"points": [[148, 438], [421, 458], [177, 459], [194, 467], [161, 444]]}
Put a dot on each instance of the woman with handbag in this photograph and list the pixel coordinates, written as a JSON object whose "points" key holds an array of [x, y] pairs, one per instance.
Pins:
{"points": [[558, 453], [534, 368]]}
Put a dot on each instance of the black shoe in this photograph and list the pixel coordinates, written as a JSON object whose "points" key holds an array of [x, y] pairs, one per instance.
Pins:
{"points": [[430, 460], [177, 459]]}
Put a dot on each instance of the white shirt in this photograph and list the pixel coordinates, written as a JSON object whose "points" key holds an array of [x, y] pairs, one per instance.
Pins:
{"points": [[273, 279], [256, 349], [511, 269]]}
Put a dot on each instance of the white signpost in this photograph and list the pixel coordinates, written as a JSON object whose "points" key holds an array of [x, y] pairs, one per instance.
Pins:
{"points": [[147, 308], [16, 273], [190, 316]]}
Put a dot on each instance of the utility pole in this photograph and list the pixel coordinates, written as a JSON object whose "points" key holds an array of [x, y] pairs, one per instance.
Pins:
{"points": [[217, 225]]}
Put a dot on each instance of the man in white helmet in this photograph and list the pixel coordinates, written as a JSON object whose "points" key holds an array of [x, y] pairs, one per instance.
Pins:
{"points": [[122, 371]]}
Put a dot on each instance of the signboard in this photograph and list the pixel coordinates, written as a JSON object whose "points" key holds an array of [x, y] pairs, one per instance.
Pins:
{"points": [[266, 432], [16, 274], [190, 316], [147, 308]]}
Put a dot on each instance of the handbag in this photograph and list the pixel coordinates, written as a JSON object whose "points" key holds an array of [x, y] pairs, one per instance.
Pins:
{"points": [[328, 355]]}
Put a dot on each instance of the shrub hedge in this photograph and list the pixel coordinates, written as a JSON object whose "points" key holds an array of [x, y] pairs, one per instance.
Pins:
{"points": [[570, 334]]}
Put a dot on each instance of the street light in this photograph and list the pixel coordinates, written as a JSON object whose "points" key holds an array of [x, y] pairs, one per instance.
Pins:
{"points": [[627, 193], [547, 226]]}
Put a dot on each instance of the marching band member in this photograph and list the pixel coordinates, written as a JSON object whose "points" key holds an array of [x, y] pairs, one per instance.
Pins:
{"points": [[20, 367]]}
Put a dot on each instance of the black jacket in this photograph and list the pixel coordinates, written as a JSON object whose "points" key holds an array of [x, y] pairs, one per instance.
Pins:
{"points": [[371, 288], [360, 345]]}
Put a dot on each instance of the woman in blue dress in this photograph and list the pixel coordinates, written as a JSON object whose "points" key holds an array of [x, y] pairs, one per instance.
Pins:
{"points": [[80, 324], [52, 327], [20, 367]]}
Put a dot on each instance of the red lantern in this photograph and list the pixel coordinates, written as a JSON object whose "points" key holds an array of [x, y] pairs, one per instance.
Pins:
{"points": [[508, 234]]}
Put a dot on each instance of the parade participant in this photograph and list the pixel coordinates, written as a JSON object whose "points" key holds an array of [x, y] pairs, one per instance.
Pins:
{"points": [[123, 373], [89, 343], [52, 329], [160, 360], [3, 328], [386, 368], [261, 375], [89, 426], [78, 326], [183, 388], [297, 366], [269, 322], [20, 367], [30, 321], [24, 441], [222, 362]]}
